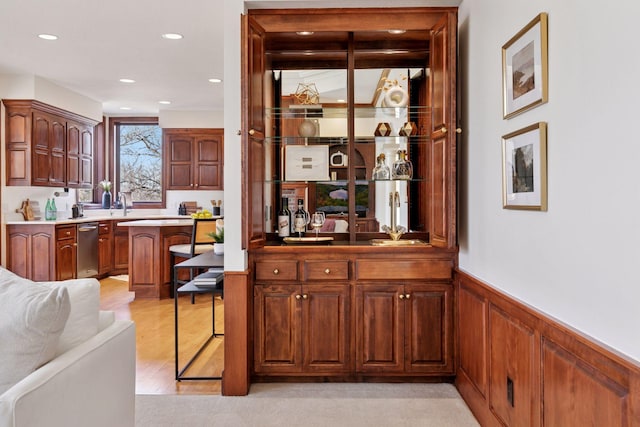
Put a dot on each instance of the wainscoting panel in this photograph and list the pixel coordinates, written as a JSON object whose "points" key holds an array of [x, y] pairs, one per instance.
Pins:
{"points": [[520, 367]]}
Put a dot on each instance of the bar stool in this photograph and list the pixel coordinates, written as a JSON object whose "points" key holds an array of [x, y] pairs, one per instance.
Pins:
{"points": [[201, 242]]}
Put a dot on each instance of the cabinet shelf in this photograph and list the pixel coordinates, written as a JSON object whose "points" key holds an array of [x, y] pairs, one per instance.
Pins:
{"points": [[322, 112]]}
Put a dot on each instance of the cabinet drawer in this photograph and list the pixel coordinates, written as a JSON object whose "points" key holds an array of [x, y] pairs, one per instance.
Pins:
{"points": [[66, 232], [277, 270], [104, 227], [376, 269], [323, 270]]}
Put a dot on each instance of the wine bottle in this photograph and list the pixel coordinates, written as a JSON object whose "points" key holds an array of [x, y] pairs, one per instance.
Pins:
{"points": [[284, 219], [300, 219]]}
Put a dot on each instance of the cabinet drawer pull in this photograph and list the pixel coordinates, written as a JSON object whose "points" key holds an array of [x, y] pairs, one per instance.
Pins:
{"points": [[276, 271], [68, 233], [327, 271]]}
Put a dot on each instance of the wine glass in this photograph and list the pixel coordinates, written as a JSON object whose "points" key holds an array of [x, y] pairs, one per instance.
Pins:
{"points": [[317, 220]]}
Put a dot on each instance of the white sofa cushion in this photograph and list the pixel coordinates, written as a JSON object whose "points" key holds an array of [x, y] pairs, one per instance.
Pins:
{"points": [[32, 317], [84, 295]]}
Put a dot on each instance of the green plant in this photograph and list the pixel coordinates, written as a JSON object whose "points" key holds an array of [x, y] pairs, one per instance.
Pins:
{"points": [[217, 236]]}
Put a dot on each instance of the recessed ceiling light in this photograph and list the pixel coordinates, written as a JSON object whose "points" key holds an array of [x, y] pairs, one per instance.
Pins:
{"points": [[172, 36], [125, 108], [164, 102], [48, 36], [304, 33], [127, 81], [397, 31], [215, 80]]}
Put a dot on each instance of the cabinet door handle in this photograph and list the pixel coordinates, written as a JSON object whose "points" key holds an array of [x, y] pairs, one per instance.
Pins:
{"points": [[407, 296], [458, 130], [298, 296], [327, 271], [276, 271], [401, 296], [252, 132], [75, 244], [443, 129]]}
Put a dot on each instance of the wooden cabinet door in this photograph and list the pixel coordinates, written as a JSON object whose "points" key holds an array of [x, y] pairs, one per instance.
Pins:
{"points": [[105, 247], [208, 160], [120, 249], [428, 330], [31, 252], [86, 156], [325, 320], [66, 259], [49, 150], [253, 136], [18, 143], [73, 154], [379, 328], [179, 158], [277, 329]]}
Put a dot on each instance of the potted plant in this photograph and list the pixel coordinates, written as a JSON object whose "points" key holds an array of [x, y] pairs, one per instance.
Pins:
{"points": [[218, 238]]}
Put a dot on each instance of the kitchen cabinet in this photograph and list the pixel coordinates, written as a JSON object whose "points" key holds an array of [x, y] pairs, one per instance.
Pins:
{"points": [[300, 327], [47, 146], [120, 248], [105, 247], [31, 251], [66, 254], [193, 159]]}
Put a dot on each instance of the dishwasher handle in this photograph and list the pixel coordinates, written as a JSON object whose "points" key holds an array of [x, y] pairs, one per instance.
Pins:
{"points": [[87, 228]]}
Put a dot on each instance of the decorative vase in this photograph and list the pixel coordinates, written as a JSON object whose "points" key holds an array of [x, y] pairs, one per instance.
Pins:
{"points": [[402, 167], [106, 200], [218, 248]]}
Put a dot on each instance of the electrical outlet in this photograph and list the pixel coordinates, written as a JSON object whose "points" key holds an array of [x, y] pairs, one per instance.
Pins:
{"points": [[510, 391]]}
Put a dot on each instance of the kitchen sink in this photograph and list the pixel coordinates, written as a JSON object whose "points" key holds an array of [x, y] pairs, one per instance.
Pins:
{"points": [[401, 242]]}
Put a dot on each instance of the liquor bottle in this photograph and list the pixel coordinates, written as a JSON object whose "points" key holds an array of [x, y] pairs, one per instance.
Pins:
{"points": [[300, 219], [381, 170], [284, 219], [402, 167]]}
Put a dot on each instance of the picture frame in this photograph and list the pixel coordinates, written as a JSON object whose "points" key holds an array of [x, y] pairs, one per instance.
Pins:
{"points": [[306, 163], [525, 68], [524, 168]]}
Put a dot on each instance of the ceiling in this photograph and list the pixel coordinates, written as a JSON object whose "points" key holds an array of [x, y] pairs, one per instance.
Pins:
{"points": [[100, 42]]}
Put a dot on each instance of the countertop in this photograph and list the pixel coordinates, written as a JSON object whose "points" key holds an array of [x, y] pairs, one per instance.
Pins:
{"points": [[156, 222], [93, 218]]}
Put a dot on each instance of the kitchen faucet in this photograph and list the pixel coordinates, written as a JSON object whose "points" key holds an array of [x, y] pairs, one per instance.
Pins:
{"points": [[123, 201]]}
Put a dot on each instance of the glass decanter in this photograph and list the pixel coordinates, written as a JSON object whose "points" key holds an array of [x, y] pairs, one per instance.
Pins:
{"points": [[402, 167], [381, 170]]}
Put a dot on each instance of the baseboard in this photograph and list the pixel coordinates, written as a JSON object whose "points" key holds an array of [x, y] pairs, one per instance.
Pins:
{"points": [[518, 366]]}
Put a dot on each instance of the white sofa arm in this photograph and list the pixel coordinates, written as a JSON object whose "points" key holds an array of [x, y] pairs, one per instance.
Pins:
{"points": [[92, 384]]}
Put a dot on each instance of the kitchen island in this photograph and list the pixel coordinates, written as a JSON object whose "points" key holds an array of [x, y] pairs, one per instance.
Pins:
{"points": [[149, 265]]}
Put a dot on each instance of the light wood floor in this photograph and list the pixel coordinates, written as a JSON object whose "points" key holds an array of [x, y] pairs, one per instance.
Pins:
{"points": [[155, 366]]}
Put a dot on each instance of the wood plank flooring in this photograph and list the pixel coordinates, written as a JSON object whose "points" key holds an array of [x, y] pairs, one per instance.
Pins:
{"points": [[155, 367]]}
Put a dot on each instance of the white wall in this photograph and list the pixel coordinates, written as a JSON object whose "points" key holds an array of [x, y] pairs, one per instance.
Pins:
{"points": [[577, 261], [191, 119]]}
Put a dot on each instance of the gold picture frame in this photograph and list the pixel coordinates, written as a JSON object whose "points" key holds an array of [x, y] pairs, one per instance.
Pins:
{"points": [[525, 68], [524, 168]]}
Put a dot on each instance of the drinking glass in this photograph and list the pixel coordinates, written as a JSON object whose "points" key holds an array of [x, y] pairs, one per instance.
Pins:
{"points": [[317, 220]]}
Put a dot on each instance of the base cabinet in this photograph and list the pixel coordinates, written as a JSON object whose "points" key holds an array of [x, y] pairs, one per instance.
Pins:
{"points": [[403, 328], [313, 316], [105, 247], [66, 252], [302, 328]]}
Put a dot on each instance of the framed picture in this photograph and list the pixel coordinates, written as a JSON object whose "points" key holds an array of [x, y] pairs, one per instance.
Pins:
{"points": [[524, 168], [524, 68], [306, 163]]}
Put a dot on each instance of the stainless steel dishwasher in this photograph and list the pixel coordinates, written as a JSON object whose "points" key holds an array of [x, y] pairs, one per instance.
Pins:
{"points": [[87, 249]]}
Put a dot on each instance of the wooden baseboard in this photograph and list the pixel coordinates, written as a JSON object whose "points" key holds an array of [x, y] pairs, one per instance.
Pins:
{"points": [[518, 366]]}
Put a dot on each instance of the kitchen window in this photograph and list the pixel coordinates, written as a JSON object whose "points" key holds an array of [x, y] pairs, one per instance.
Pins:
{"points": [[136, 144]]}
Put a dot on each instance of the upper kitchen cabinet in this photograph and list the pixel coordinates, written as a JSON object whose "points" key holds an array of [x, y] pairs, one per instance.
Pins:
{"points": [[193, 159], [47, 146], [353, 111]]}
